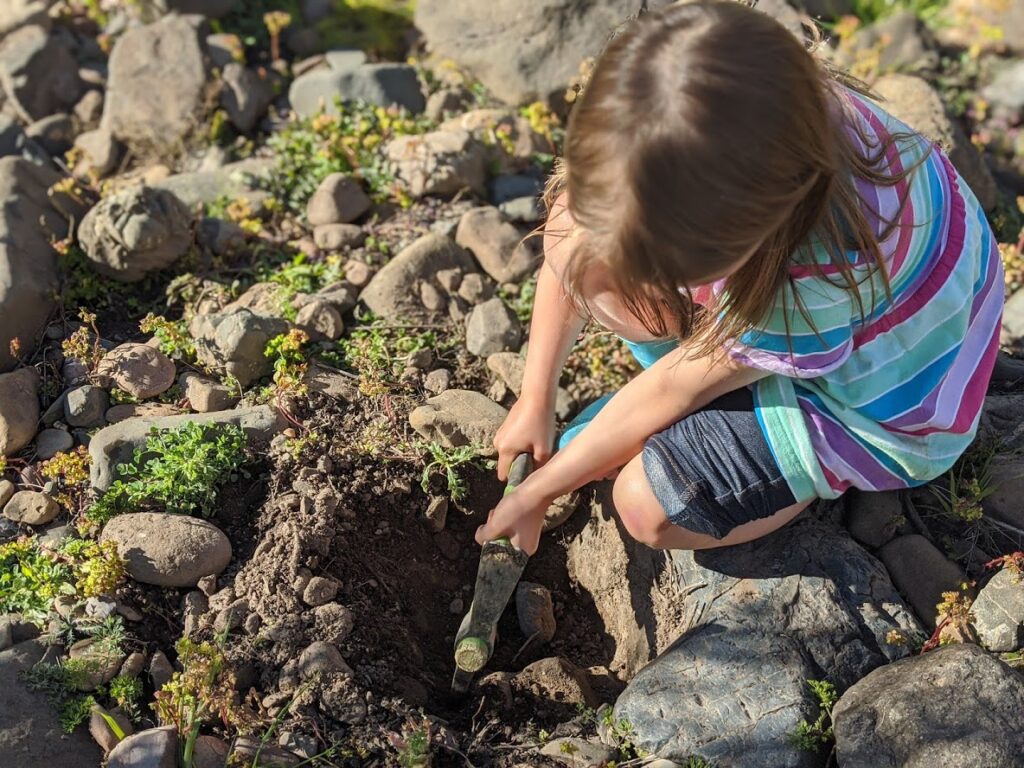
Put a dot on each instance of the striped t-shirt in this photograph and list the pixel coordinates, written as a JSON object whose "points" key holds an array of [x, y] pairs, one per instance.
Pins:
{"points": [[892, 400]]}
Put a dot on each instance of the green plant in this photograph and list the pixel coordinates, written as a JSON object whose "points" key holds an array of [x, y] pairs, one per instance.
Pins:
{"points": [[379, 26], [1013, 562], [98, 567], [954, 622], [970, 482], [180, 470], [622, 734], [127, 692], [447, 462], [290, 363], [83, 344], [522, 301], [70, 472], [173, 335], [378, 352], [813, 736], [60, 683], [413, 744]]}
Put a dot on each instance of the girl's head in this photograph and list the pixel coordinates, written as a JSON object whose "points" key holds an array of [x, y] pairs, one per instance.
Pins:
{"points": [[705, 145]]}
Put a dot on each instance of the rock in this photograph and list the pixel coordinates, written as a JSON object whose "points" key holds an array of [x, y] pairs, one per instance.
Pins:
{"points": [[100, 662], [515, 186], [510, 367], [914, 102], [117, 443], [29, 276], [437, 381], [154, 748], [206, 395], [983, 25], [224, 48], [139, 369], [921, 573], [334, 622], [560, 511], [139, 230], [38, 71], [497, 245], [248, 751], [392, 292], [235, 181], [347, 79], [34, 736], [519, 143], [264, 299], [6, 491], [168, 550], [558, 680], [579, 753], [1006, 91], [535, 612], [160, 670], [89, 108], [492, 327], [54, 134], [956, 705], [458, 417], [319, 591], [100, 730], [339, 199], [341, 296], [101, 152], [210, 752], [235, 341], [901, 42], [134, 664], [475, 288], [431, 298], [127, 411], [231, 617], [873, 518], [156, 83], [86, 406], [526, 210], [19, 408], [245, 95], [15, 14], [438, 163], [50, 442], [321, 658], [336, 237], [999, 612], [436, 513], [445, 101], [31, 508], [1005, 503]]}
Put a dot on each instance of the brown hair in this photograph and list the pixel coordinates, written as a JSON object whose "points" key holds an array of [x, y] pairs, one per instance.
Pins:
{"points": [[707, 132]]}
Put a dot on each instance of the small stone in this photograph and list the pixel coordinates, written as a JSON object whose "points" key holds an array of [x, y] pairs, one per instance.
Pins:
{"points": [[341, 295], [160, 670], [437, 513], [100, 730], [438, 163], [206, 395], [322, 658], [89, 108], [445, 101], [535, 611], [874, 517], [999, 612], [431, 298], [450, 279], [6, 492], [100, 607], [210, 752], [154, 748], [510, 367], [339, 199], [358, 273], [497, 244], [421, 359], [437, 381], [31, 508], [245, 95], [557, 679], [86, 406], [101, 663], [523, 210], [19, 409], [138, 369], [459, 417], [320, 320], [334, 622], [133, 665], [337, 237], [475, 289], [921, 573], [101, 152], [50, 442], [207, 585], [236, 340], [319, 591], [492, 327], [579, 753], [231, 617]]}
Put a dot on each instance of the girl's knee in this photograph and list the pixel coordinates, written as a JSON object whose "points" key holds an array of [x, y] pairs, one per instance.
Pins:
{"points": [[637, 507]]}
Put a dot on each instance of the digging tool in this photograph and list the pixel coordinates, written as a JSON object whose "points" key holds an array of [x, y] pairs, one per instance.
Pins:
{"points": [[501, 565]]}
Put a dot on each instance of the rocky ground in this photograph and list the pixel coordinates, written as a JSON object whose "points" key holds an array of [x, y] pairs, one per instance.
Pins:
{"points": [[263, 303]]}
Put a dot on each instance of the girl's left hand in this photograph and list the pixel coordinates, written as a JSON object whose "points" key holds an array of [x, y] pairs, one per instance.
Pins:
{"points": [[520, 516]]}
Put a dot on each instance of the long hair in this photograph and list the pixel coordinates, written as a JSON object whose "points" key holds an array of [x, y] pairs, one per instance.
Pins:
{"points": [[709, 142]]}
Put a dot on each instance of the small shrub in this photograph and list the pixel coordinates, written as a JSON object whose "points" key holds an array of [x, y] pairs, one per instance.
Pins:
{"points": [[83, 344], [448, 462], [813, 736], [173, 336], [290, 363], [70, 471]]}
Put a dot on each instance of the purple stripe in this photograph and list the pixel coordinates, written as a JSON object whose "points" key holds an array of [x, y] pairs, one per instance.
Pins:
{"points": [[829, 438]]}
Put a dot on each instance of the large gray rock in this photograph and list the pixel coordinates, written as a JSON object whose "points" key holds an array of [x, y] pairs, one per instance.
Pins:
{"points": [[347, 77], [30, 734], [999, 612], [922, 573], [394, 291], [29, 277], [19, 409], [458, 417], [438, 163], [953, 706], [759, 620], [39, 72], [914, 102], [117, 443], [132, 233], [156, 82], [154, 748], [234, 181], [236, 341], [168, 550], [245, 95]]}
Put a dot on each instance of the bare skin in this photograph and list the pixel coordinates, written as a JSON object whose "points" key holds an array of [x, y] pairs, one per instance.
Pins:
{"points": [[663, 394]]}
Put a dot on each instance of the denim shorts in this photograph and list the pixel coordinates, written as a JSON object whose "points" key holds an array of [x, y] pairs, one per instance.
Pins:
{"points": [[711, 471]]}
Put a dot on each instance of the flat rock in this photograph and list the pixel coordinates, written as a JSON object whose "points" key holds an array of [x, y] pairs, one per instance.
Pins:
{"points": [[206, 395], [153, 748], [19, 409], [117, 443], [458, 417], [956, 705], [125, 411], [921, 573], [86, 406], [999, 612], [168, 550], [31, 508], [139, 369]]}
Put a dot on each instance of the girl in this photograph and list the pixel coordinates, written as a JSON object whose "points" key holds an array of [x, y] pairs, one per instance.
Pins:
{"points": [[812, 290]]}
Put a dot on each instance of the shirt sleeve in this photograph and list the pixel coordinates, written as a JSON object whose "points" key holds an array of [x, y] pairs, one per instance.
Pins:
{"points": [[801, 344]]}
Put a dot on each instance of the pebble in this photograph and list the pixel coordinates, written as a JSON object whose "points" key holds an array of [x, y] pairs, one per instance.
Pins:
{"points": [[535, 611], [50, 442], [334, 622], [339, 199], [85, 406], [437, 513], [134, 664], [492, 327], [138, 369], [31, 508], [321, 657], [358, 273], [437, 381], [160, 670], [319, 591]]}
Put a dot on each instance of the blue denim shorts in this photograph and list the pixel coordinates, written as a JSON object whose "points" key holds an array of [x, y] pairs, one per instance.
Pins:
{"points": [[712, 470]]}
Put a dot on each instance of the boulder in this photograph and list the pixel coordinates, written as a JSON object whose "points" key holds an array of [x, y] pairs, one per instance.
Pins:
{"points": [[496, 244], [168, 550], [19, 409], [956, 705], [117, 443], [921, 573], [38, 71], [245, 95], [156, 83], [458, 417], [236, 341], [914, 102], [139, 230], [999, 612], [393, 292], [154, 748], [139, 369], [492, 327], [347, 77], [339, 199], [438, 163], [34, 737], [29, 276]]}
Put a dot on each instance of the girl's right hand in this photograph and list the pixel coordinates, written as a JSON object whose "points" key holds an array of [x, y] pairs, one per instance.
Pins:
{"points": [[528, 428]]}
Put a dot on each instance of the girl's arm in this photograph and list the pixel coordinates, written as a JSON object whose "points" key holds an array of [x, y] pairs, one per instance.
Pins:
{"points": [[657, 398]]}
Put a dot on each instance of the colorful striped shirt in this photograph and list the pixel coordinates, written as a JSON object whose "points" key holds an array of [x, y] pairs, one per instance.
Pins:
{"points": [[891, 400]]}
